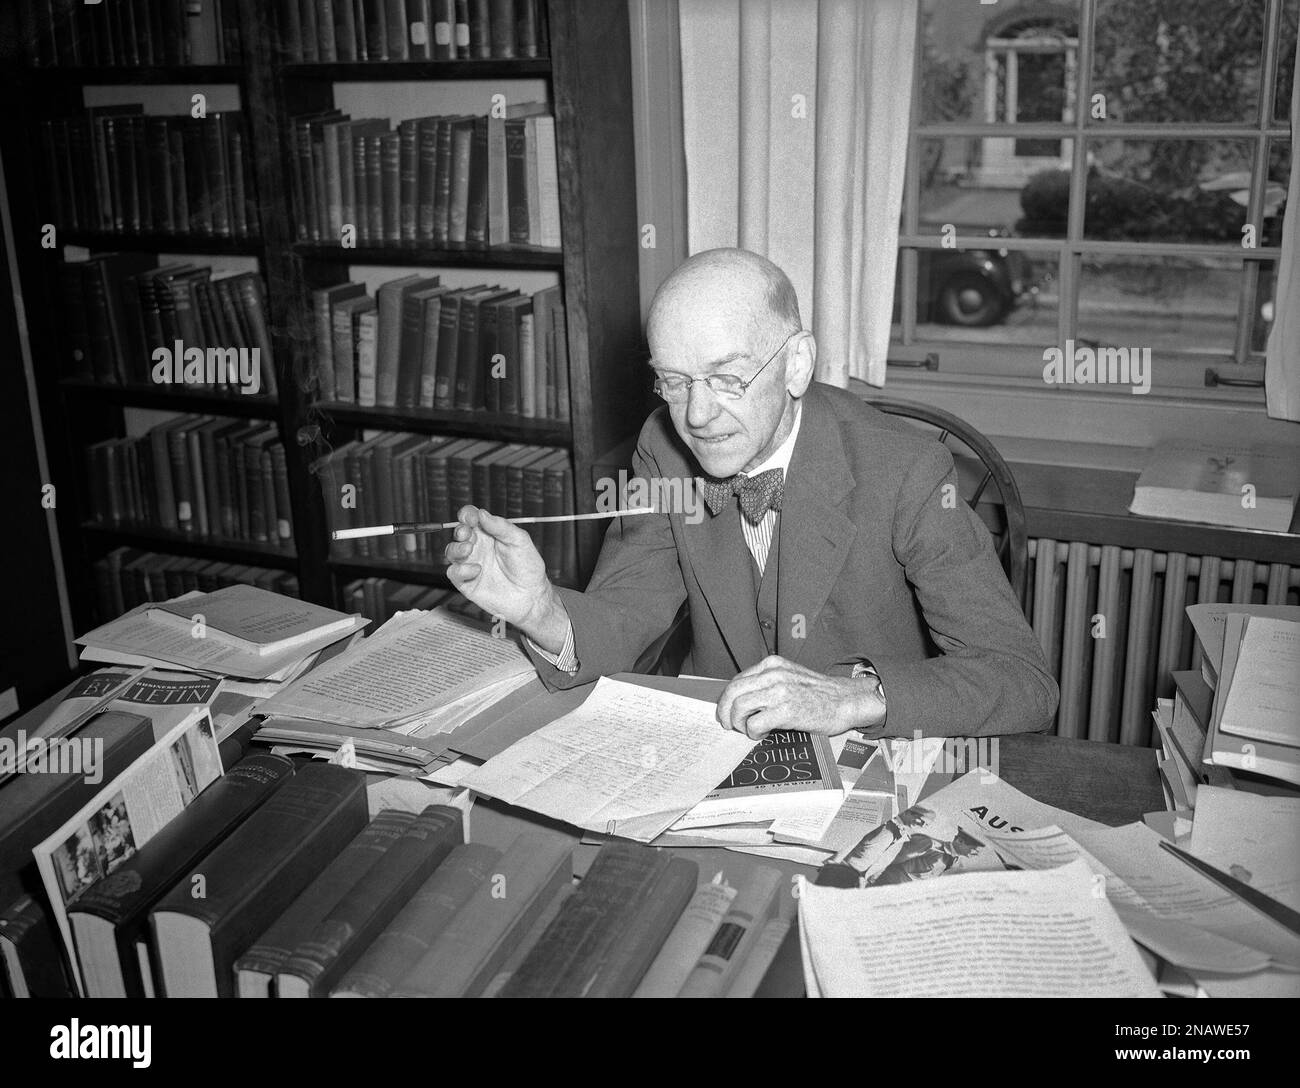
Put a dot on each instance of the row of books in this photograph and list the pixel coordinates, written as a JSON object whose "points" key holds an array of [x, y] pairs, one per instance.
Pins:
{"points": [[114, 169], [131, 32], [453, 180], [379, 30], [379, 599], [119, 308], [127, 577], [309, 897], [398, 477], [417, 343], [208, 477]]}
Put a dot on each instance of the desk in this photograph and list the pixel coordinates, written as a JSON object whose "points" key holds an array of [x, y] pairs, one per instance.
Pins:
{"points": [[1111, 783]]}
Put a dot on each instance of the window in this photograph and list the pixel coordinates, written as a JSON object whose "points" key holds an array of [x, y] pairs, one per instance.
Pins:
{"points": [[1104, 172]]}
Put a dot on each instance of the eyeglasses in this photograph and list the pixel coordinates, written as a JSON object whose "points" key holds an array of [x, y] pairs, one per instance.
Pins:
{"points": [[675, 388]]}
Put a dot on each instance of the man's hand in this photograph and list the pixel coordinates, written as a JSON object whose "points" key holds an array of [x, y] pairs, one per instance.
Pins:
{"points": [[778, 694], [496, 565]]}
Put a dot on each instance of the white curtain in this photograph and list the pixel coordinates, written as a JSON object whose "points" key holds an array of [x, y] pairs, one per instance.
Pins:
{"points": [[795, 115], [1282, 353]]}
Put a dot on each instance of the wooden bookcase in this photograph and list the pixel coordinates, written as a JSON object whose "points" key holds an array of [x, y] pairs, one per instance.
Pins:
{"points": [[588, 85]]}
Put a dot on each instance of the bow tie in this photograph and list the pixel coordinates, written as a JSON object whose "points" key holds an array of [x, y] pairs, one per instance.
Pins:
{"points": [[758, 494]]}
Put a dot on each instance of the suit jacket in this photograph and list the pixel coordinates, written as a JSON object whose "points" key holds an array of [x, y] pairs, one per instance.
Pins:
{"points": [[878, 559]]}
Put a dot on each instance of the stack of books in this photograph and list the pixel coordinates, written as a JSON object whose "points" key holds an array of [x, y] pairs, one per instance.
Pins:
{"points": [[422, 345], [208, 477], [120, 308], [133, 33], [127, 577], [114, 169], [400, 477], [453, 181], [379, 30]]}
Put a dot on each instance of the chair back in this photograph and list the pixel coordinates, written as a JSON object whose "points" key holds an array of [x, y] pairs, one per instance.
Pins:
{"points": [[1011, 537]]}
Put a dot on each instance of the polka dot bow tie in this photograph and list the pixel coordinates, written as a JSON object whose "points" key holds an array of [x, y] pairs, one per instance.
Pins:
{"points": [[758, 494]]}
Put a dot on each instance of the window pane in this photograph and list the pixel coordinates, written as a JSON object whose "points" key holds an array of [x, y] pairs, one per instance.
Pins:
{"points": [[1187, 304], [981, 63], [1179, 60], [1265, 292], [1167, 190], [1286, 59], [1275, 192], [993, 296], [984, 185]]}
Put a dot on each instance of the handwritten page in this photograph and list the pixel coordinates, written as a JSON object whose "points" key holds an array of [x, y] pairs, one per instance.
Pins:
{"points": [[628, 762], [1264, 700], [998, 934], [413, 665]]}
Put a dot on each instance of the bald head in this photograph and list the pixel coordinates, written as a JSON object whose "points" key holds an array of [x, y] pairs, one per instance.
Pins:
{"points": [[750, 290]]}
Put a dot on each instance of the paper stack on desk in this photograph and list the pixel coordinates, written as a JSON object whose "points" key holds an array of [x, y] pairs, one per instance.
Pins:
{"points": [[398, 694], [233, 645], [1251, 658]]}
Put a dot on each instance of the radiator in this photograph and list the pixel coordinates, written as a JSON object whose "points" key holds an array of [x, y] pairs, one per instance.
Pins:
{"points": [[1112, 624]]}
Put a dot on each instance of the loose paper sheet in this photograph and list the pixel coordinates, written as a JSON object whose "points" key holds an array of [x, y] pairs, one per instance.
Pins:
{"points": [[1012, 934], [1264, 700], [628, 762], [1252, 837], [1186, 917]]}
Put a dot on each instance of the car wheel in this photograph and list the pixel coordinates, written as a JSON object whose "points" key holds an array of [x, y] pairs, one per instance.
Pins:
{"points": [[969, 299]]}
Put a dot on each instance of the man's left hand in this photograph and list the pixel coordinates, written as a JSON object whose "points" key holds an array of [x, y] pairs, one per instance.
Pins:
{"points": [[778, 694]]}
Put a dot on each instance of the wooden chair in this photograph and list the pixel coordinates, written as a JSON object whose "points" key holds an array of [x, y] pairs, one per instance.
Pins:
{"points": [[1011, 539]]}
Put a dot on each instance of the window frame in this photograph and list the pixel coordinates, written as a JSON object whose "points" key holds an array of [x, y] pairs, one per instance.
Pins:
{"points": [[1020, 364]]}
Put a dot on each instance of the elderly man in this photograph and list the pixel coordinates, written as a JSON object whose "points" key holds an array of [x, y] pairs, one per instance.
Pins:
{"points": [[831, 572]]}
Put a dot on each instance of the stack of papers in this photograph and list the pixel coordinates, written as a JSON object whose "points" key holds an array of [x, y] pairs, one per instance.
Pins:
{"points": [[140, 637], [1251, 658], [399, 694]]}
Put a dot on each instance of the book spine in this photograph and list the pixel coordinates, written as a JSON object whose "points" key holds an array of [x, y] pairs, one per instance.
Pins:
{"points": [[323, 345], [426, 178], [410, 933], [476, 207], [408, 179], [372, 903], [395, 23], [275, 946], [428, 375], [501, 29], [390, 162], [367, 351], [730, 944]]}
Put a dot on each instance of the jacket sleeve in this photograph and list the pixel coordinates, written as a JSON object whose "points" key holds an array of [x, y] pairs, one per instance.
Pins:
{"points": [[633, 595], [991, 676]]}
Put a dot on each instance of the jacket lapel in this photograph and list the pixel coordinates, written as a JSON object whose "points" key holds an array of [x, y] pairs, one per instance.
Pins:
{"points": [[816, 534]]}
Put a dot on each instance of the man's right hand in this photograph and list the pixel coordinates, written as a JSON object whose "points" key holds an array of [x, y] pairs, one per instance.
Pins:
{"points": [[496, 565]]}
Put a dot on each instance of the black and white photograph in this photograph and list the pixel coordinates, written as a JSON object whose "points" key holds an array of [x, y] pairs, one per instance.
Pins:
{"points": [[520, 417]]}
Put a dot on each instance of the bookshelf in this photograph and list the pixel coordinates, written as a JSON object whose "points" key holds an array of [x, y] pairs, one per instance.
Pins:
{"points": [[585, 81]]}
